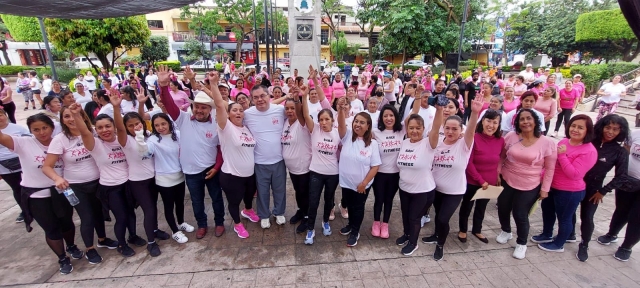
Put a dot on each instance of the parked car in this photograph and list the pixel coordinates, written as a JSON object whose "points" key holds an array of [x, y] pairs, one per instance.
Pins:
{"points": [[282, 67], [83, 62], [284, 61], [382, 63], [437, 63], [415, 63], [200, 64], [323, 63]]}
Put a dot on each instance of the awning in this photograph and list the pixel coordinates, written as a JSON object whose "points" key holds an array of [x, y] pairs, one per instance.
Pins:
{"points": [[175, 46], [232, 46]]}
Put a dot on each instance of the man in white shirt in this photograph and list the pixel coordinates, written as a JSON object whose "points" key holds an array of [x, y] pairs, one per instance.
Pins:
{"points": [[151, 80], [81, 96], [528, 74], [46, 84], [266, 122]]}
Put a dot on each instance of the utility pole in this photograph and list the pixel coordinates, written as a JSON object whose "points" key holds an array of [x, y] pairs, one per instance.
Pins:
{"points": [[464, 20], [266, 34], [46, 46], [256, 44], [273, 40]]}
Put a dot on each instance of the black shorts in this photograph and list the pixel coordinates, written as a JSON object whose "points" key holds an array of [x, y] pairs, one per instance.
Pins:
{"points": [[36, 91]]}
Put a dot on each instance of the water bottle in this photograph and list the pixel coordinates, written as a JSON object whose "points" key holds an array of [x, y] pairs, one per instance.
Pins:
{"points": [[73, 199]]}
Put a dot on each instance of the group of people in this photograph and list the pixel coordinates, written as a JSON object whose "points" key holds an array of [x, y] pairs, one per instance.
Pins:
{"points": [[241, 141]]}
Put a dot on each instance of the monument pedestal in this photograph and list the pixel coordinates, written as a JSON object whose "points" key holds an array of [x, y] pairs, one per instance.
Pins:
{"points": [[304, 35]]}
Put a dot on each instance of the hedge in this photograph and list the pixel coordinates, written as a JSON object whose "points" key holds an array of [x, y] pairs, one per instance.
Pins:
{"points": [[593, 74], [13, 70], [23, 29], [175, 64]]}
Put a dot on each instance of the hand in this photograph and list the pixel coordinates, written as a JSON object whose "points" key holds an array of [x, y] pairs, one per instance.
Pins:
{"points": [[361, 188], [596, 198], [210, 174], [544, 194], [188, 73], [573, 110], [214, 78], [559, 109], [140, 96], [61, 183], [476, 104], [75, 109], [485, 185], [562, 149], [312, 72], [115, 99], [159, 103], [419, 90], [163, 76], [499, 182], [138, 127]]}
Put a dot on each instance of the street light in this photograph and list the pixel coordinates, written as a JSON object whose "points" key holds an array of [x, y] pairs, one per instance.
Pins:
{"points": [[256, 47], [266, 33], [464, 20]]}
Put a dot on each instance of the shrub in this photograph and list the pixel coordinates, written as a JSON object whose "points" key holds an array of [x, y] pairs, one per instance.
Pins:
{"points": [[13, 70], [175, 64], [65, 75]]}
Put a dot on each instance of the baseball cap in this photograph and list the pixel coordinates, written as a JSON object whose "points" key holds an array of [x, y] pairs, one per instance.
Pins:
{"points": [[529, 65], [220, 84], [577, 75]]}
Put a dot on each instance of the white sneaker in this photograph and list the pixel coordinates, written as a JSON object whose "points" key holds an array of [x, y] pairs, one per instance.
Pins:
{"points": [[520, 251], [504, 237], [265, 223], [425, 219], [280, 220], [179, 237], [186, 227]]}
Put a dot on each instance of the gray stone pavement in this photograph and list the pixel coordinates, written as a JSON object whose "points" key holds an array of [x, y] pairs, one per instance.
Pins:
{"points": [[277, 257]]}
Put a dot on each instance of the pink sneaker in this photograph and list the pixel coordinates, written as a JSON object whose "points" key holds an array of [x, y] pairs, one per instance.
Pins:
{"points": [[332, 215], [250, 214], [242, 233], [384, 230], [344, 212], [375, 229]]}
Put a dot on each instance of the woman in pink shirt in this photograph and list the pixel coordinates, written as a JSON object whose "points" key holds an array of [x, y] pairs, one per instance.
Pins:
{"points": [[526, 154], [551, 81], [510, 101], [568, 102], [327, 89], [238, 89], [179, 97], [363, 88], [548, 106], [519, 87], [576, 155], [339, 87]]}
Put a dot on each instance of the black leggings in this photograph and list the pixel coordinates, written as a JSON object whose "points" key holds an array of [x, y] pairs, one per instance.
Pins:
{"points": [[13, 180], [145, 194], [10, 108], [587, 211], [385, 186], [546, 127], [90, 211], [54, 215], [564, 117], [478, 213], [301, 187], [356, 202], [627, 213], [519, 202], [173, 197], [316, 184], [152, 92], [238, 189], [117, 202], [413, 206], [445, 205]]}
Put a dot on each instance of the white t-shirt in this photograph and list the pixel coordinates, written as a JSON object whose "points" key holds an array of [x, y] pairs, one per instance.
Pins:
{"points": [[356, 107], [91, 82], [528, 76], [324, 151], [427, 115], [634, 154], [449, 165], [408, 108], [126, 106], [198, 143], [82, 99], [509, 121], [107, 109], [374, 118], [5, 153], [314, 109], [151, 81], [415, 164], [35, 83], [111, 160], [296, 147], [396, 88], [32, 154], [114, 81], [46, 85], [140, 167], [166, 153], [355, 70], [266, 128], [615, 90], [237, 145], [389, 143], [79, 167], [356, 160]]}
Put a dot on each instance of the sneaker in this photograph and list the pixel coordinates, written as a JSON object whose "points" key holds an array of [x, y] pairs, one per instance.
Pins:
{"points": [[622, 254], [326, 229], [180, 237], [375, 229], [161, 235], [439, 253], [310, 235], [186, 227], [20, 218], [344, 212], [136, 240], [75, 252], [65, 266], [572, 239], [281, 220], [108, 243], [550, 247], [239, 229], [93, 256], [607, 239], [541, 239], [346, 230], [402, 240], [353, 240], [424, 220], [332, 214], [520, 251], [154, 249], [583, 252], [265, 223], [250, 214], [409, 249], [296, 217], [504, 237], [126, 251], [302, 227], [384, 230], [433, 239], [554, 134]]}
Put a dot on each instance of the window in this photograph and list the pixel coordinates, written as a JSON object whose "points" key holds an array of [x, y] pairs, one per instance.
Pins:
{"points": [[286, 55], [324, 37], [155, 24]]}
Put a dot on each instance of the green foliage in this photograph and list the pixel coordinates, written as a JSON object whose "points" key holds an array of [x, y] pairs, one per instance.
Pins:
{"points": [[124, 59], [23, 29], [60, 55], [175, 64], [157, 49], [13, 70], [339, 47], [195, 49], [202, 19], [65, 75], [593, 74], [602, 26]]}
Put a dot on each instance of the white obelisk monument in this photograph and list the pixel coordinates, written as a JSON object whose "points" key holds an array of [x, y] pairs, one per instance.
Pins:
{"points": [[304, 34]]}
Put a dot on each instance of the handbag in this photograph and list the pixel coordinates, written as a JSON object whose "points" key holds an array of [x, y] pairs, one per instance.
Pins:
{"points": [[12, 164]]}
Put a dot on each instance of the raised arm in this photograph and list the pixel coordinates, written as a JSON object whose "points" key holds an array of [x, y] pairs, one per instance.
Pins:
{"points": [[221, 105], [415, 109], [342, 123], [163, 81], [121, 130], [476, 106], [85, 133], [294, 93], [6, 141], [435, 128], [305, 112]]}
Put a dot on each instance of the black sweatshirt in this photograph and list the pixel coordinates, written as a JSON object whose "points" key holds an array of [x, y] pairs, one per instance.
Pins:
{"points": [[610, 154]]}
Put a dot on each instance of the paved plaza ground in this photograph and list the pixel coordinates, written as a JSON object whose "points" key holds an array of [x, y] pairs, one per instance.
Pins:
{"points": [[277, 257]]}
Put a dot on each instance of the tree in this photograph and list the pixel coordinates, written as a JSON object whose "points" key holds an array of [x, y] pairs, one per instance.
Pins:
{"points": [[610, 27], [99, 36], [331, 8], [23, 29], [195, 50], [369, 14], [203, 20], [339, 47], [157, 49]]}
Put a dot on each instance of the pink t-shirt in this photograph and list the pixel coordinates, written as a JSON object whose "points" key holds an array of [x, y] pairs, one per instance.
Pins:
{"points": [[235, 92], [580, 87], [237, 145], [524, 165], [573, 165], [568, 98], [32, 154], [328, 93], [389, 143], [520, 88], [181, 99], [510, 105], [140, 167], [338, 89], [324, 151], [114, 169], [548, 107], [79, 167], [362, 92], [415, 163], [449, 167], [296, 147]]}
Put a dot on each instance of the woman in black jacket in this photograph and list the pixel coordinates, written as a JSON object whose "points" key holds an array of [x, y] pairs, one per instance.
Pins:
{"points": [[610, 132]]}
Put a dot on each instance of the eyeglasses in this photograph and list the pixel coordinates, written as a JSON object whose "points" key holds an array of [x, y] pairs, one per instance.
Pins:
{"points": [[260, 96]]}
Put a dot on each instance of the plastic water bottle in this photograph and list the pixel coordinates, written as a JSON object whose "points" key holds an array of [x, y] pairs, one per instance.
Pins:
{"points": [[73, 199]]}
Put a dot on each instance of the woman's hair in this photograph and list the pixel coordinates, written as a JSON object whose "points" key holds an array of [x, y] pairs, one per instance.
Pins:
{"points": [[397, 125], [47, 100], [525, 95], [132, 94], [454, 89], [39, 117], [231, 105], [65, 129], [610, 119], [455, 118], [172, 129], [457, 104], [491, 115], [500, 99], [588, 122], [103, 117], [368, 135], [536, 122], [553, 90], [325, 110], [279, 88], [417, 118], [176, 83], [134, 115], [109, 80], [102, 94], [2, 85], [520, 77]]}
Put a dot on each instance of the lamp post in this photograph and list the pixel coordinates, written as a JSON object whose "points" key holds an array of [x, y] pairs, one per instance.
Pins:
{"points": [[464, 20], [273, 38], [256, 47], [266, 33], [46, 46]]}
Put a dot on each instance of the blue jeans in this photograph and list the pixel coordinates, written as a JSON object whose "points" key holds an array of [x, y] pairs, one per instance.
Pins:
{"points": [[196, 184], [563, 205]]}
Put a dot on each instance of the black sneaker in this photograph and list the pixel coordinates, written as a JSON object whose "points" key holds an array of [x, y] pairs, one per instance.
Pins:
{"points": [[20, 218], [136, 240], [622, 254], [353, 240], [65, 266], [161, 235], [433, 239], [302, 227], [403, 240], [439, 253], [126, 251], [154, 249], [607, 239], [583, 252], [409, 249], [346, 230], [93, 256], [75, 252], [572, 239], [296, 218], [108, 243]]}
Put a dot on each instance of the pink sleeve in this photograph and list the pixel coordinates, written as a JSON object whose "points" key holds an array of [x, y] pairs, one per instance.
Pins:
{"points": [[549, 165], [580, 166], [167, 100], [325, 104], [471, 169], [554, 108]]}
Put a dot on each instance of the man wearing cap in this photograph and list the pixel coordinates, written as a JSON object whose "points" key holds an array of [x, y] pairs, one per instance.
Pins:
{"points": [[577, 84], [199, 155], [224, 91], [81, 95], [528, 74]]}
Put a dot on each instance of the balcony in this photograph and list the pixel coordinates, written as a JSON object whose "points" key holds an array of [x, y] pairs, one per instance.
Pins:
{"points": [[231, 37], [183, 36]]}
